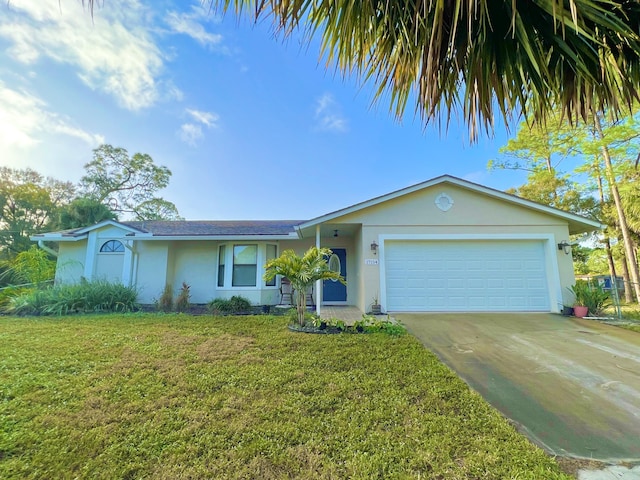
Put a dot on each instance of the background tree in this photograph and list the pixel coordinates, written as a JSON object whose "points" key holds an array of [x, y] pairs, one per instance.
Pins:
{"points": [[128, 185], [28, 202], [82, 212], [539, 149], [603, 186], [157, 209], [613, 137]]}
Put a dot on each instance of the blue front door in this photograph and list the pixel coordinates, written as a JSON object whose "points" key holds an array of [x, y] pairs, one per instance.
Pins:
{"points": [[334, 291]]}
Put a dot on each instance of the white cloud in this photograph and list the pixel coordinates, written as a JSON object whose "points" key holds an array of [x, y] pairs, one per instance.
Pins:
{"points": [[113, 51], [191, 132], [328, 115], [190, 24], [25, 119], [207, 118]]}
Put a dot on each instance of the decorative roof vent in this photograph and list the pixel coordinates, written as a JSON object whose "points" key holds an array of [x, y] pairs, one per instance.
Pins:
{"points": [[444, 202]]}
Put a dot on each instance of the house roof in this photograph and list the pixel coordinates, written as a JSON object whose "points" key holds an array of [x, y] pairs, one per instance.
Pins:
{"points": [[577, 223], [186, 229], [286, 229], [215, 228]]}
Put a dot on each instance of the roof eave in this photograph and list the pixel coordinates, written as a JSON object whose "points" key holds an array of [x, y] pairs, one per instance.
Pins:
{"points": [[254, 237], [56, 238], [576, 228]]}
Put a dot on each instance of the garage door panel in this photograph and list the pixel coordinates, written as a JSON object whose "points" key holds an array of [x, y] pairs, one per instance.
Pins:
{"points": [[466, 276], [457, 301], [499, 302], [475, 283], [477, 301], [536, 284]]}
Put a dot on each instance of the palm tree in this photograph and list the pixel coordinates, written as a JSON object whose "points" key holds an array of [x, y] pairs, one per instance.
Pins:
{"points": [[302, 272]]}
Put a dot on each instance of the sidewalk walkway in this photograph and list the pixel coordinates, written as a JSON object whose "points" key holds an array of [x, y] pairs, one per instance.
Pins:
{"points": [[347, 313]]}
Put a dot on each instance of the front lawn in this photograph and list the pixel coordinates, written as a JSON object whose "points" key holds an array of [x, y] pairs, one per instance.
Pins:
{"points": [[171, 397]]}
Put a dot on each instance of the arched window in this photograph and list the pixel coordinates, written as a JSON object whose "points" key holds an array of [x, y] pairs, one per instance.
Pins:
{"points": [[112, 246]]}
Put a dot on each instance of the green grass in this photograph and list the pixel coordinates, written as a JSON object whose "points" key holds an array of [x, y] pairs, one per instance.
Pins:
{"points": [[630, 313], [173, 396], [633, 328]]}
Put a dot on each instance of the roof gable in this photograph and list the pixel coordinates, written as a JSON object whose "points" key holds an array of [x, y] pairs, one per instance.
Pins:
{"points": [[75, 234], [577, 224]]}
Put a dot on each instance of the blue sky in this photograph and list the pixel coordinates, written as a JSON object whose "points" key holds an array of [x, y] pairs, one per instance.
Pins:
{"points": [[252, 126]]}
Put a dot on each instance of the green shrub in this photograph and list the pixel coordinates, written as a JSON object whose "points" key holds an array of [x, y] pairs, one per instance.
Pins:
{"points": [[97, 296], [165, 302], [372, 323], [182, 302], [30, 266], [235, 304], [7, 293]]}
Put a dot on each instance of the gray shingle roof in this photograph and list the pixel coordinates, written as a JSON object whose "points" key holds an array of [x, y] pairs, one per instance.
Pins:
{"points": [[213, 227]]}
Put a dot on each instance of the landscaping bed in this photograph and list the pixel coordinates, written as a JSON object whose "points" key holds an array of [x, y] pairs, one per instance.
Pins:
{"points": [[174, 396]]}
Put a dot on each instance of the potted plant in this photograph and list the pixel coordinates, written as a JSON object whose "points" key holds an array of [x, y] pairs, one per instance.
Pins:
{"points": [[589, 299], [580, 293], [376, 309]]}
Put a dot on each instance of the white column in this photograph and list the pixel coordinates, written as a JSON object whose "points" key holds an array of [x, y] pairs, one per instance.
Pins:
{"points": [[318, 282], [127, 264], [90, 256]]}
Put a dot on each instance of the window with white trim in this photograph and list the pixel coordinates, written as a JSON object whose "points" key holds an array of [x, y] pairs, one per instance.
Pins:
{"points": [[112, 246], [222, 251], [245, 265], [272, 252]]}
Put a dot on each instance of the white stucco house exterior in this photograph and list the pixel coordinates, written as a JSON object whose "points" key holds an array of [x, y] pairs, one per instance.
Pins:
{"points": [[442, 245]]}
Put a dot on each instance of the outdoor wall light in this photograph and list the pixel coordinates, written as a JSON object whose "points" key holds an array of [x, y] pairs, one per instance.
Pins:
{"points": [[374, 247], [565, 246], [335, 233]]}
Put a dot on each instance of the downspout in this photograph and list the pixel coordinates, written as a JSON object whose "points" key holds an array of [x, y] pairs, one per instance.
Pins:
{"points": [[47, 249]]}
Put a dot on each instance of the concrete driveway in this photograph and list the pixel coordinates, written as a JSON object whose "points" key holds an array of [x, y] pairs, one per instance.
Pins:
{"points": [[572, 386]]}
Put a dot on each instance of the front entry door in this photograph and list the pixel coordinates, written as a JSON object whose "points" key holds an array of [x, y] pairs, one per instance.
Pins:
{"points": [[332, 290]]}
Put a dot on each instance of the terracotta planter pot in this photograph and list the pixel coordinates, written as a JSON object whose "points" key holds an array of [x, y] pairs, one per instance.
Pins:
{"points": [[580, 311]]}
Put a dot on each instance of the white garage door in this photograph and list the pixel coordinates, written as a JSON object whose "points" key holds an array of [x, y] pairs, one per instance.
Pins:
{"points": [[466, 276]]}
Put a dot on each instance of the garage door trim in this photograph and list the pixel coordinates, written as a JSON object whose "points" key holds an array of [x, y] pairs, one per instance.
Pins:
{"points": [[550, 257]]}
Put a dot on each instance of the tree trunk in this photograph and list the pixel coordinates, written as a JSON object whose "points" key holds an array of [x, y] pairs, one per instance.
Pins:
{"points": [[301, 306], [626, 236], [612, 265], [607, 244], [628, 290]]}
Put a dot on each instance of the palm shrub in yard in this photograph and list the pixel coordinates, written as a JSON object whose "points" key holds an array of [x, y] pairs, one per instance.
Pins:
{"points": [[85, 297], [302, 271]]}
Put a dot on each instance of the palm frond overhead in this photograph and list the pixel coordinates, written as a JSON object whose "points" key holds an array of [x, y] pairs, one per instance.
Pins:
{"points": [[487, 57]]}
